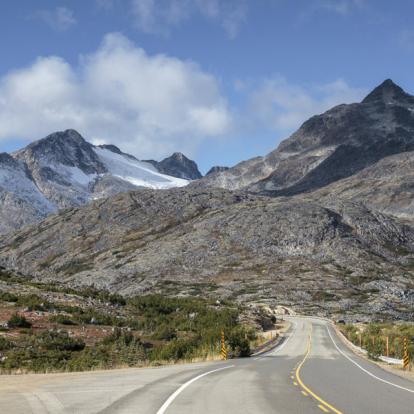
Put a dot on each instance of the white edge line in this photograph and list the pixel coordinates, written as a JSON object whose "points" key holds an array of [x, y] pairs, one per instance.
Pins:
{"points": [[366, 371], [280, 347], [174, 395]]}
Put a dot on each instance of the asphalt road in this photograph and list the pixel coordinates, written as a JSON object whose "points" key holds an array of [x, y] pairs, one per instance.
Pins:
{"points": [[311, 371]]}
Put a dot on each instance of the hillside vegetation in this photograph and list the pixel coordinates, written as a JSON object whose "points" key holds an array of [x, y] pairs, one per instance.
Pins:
{"points": [[96, 329]]}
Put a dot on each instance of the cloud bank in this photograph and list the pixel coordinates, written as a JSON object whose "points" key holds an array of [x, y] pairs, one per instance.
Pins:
{"points": [[148, 105]]}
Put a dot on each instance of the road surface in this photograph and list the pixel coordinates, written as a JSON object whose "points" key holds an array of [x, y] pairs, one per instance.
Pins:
{"points": [[311, 371]]}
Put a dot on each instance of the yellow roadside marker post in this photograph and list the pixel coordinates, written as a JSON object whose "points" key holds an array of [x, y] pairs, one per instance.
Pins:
{"points": [[387, 346], [406, 358], [223, 351]]}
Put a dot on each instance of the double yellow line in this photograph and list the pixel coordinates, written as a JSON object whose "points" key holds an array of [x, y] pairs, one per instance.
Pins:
{"points": [[324, 406]]}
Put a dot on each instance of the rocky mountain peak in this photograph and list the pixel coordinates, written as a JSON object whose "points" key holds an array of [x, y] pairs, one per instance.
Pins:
{"points": [[387, 92], [179, 156], [67, 148], [178, 165]]}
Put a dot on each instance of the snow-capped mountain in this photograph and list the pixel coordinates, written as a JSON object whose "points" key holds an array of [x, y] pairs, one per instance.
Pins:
{"points": [[63, 170]]}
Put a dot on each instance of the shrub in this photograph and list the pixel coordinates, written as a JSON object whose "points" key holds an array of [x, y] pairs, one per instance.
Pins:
{"points": [[239, 343], [18, 321], [175, 350], [8, 297], [34, 302], [62, 319], [5, 344], [58, 341]]}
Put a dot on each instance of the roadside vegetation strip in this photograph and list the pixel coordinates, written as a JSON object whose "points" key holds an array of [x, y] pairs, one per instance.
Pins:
{"points": [[41, 335], [306, 388], [381, 340], [175, 394], [365, 370]]}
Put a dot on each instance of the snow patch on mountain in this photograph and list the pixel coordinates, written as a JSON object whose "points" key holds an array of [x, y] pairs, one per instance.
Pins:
{"points": [[138, 173]]}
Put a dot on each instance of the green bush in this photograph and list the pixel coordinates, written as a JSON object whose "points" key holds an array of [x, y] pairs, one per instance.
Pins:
{"points": [[62, 319], [239, 343], [34, 303], [18, 321], [8, 297], [58, 341], [5, 344], [175, 350]]}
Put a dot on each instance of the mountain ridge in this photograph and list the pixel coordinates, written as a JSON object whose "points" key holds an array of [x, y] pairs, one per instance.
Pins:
{"points": [[64, 170], [328, 147]]}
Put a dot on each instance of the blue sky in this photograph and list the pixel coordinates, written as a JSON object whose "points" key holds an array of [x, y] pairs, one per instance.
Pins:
{"points": [[221, 81]]}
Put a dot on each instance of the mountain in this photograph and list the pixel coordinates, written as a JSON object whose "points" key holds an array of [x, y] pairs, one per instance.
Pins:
{"points": [[329, 147], [62, 171], [333, 257], [323, 224], [178, 165]]}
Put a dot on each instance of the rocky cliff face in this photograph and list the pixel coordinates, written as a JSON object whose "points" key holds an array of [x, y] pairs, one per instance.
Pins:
{"points": [[239, 245], [63, 170], [329, 147]]}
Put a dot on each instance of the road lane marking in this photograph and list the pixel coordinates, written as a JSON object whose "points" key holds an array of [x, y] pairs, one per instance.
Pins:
{"points": [[175, 394], [295, 383], [307, 389], [366, 371], [304, 393], [323, 408]]}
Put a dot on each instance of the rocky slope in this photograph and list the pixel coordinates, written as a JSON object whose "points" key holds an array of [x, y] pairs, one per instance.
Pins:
{"points": [[386, 186], [335, 257], [329, 147], [20, 200], [63, 170]]}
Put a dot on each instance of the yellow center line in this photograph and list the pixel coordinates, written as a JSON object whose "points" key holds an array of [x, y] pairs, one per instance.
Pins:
{"points": [[323, 402], [323, 408]]}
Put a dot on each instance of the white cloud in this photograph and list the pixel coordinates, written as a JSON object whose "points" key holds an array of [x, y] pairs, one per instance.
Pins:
{"points": [[59, 19], [284, 106], [160, 16], [148, 105]]}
